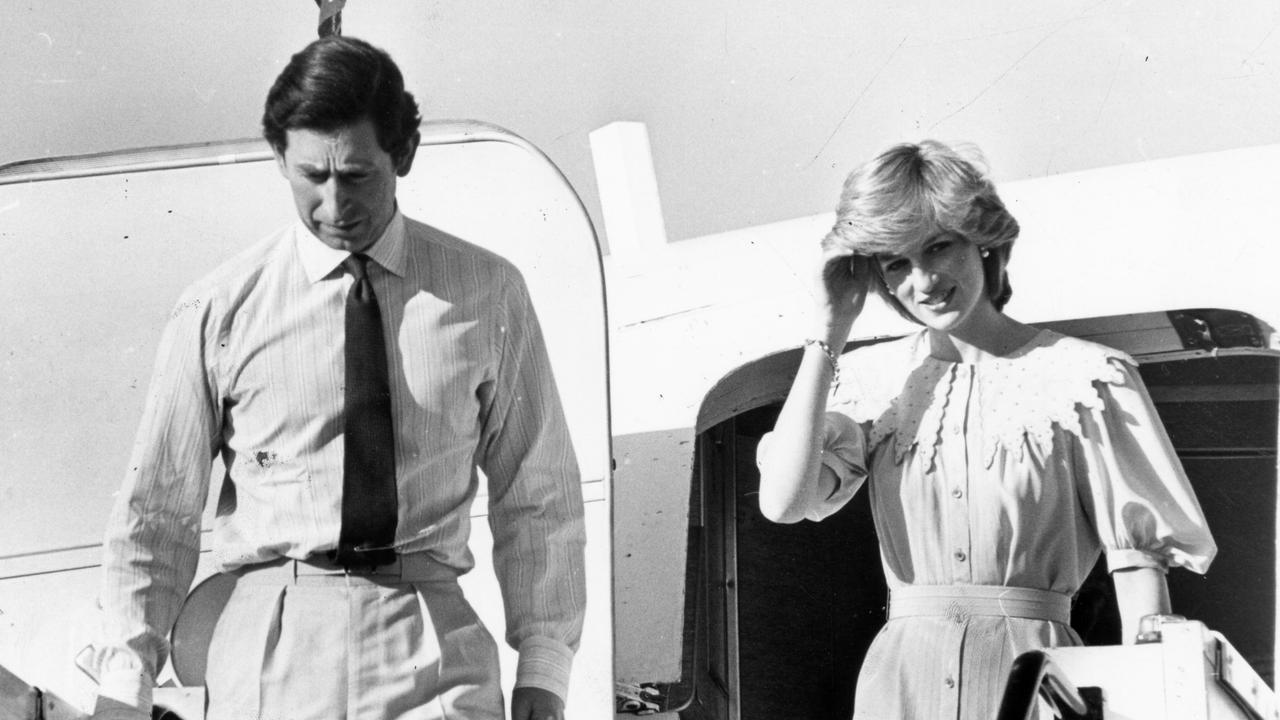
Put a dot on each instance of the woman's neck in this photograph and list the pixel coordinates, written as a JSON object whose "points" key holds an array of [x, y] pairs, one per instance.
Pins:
{"points": [[983, 338]]}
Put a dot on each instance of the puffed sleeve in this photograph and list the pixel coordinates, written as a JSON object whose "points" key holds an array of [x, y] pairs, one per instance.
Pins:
{"points": [[843, 460], [1144, 509]]}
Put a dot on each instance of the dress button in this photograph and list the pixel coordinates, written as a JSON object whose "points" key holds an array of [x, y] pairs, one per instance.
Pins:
{"points": [[957, 493], [960, 556]]}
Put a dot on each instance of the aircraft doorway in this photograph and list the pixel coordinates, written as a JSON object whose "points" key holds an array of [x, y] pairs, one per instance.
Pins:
{"points": [[808, 597], [785, 613]]}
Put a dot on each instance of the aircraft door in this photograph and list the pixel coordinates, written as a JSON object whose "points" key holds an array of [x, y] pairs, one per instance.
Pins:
{"points": [[98, 250]]}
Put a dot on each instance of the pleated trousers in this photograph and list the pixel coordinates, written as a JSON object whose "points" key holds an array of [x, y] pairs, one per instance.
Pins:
{"points": [[300, 642]]}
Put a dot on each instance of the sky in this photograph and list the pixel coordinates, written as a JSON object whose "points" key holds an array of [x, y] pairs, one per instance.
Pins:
{"points": [[756, 109]]}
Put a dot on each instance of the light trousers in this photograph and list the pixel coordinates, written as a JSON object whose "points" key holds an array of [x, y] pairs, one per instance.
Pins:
{"points": [[297, 645]]}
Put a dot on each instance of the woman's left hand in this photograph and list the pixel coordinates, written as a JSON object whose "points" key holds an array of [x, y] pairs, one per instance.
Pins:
{"points": [[534, 703]]}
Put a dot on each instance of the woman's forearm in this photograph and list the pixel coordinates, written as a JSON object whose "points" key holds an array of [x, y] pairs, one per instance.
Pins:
{"points": [[1139, 592], [794, 462], [793, 465]]}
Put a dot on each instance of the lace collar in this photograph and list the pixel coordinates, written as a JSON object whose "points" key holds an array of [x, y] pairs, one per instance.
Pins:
{"points": [[904, 392]]}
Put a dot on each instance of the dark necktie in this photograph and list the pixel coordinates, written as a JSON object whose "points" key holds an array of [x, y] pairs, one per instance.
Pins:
{"points": [[369, 470]]}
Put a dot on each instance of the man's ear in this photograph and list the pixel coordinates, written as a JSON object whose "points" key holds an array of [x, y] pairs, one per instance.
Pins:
{"points": [[279, 155], [405, 162]]}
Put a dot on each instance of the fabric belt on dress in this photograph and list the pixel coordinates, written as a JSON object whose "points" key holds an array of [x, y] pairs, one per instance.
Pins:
{"points": [[962, 601], [317, 570]]}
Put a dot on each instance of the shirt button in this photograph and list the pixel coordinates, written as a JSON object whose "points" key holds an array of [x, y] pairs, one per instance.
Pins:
{"points": [[956, 429], [960, 556], [951, 682], [959, 620], [957, 493]]}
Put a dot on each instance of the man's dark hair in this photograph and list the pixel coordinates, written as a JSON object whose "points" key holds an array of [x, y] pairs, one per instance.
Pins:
{"points": [[336, 81]]}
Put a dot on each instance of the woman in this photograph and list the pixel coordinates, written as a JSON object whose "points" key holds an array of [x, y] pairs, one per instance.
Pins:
{"points": [[1002, 458]]}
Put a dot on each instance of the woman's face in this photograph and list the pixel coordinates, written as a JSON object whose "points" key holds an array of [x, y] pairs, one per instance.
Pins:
{"points": [[940, 281]]}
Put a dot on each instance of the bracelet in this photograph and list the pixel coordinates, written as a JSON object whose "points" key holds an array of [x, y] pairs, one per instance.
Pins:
{"points": [[831, 358]]}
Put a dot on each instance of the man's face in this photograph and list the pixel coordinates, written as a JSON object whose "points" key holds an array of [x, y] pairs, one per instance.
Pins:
{"points": [[343, 182]]}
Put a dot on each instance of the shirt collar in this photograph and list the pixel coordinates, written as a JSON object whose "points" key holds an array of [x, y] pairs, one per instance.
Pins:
{"points": [[319, 260]]}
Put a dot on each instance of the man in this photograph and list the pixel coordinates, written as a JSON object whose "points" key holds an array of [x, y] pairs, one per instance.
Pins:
{"points": [[352, 371]]}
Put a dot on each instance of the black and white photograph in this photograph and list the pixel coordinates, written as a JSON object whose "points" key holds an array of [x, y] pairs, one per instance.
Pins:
{"points": [[565, 360]]}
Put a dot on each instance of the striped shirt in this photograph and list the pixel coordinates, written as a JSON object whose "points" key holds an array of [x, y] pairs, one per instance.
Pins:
{"points": [[251, 367]]}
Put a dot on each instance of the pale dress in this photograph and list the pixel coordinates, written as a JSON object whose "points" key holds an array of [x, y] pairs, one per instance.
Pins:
{"points": [[1015, 472]]}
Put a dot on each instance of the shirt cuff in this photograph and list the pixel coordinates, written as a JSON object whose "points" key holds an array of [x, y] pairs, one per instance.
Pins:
{"points": [[1129, 558], [545, 663], [127, 688]]}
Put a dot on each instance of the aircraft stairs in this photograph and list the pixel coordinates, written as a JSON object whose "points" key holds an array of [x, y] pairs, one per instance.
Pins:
{"points": [[1180, 670]]}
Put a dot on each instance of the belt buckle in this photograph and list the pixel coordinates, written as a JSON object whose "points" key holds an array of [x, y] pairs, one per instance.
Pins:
{"points": [[392, 569]]}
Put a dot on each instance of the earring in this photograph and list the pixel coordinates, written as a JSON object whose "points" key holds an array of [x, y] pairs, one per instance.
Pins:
{"points": [[986, 253]]}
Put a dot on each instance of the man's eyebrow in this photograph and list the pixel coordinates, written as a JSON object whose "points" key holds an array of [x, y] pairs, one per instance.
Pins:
{"points": [[349, 167]]}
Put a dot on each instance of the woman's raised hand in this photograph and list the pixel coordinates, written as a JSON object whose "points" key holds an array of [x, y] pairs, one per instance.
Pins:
{"points": [[791, 469], [844, 281]]}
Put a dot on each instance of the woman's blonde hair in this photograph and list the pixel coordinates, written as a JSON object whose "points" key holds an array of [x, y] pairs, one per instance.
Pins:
{"points": [[914, 191]]}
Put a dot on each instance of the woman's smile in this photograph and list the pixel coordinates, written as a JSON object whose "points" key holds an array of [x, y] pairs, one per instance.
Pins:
{"points": [[936, 301]]}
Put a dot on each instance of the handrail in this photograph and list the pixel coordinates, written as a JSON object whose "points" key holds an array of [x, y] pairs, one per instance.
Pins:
{"points": [[20, 701], [1035, 675]]}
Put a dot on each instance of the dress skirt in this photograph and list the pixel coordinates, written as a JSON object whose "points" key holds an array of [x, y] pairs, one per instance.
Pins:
{"points": [[902, 678]]}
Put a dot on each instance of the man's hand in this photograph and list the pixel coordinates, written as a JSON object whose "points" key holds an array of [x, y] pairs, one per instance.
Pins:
{"points": [[532, 703]]}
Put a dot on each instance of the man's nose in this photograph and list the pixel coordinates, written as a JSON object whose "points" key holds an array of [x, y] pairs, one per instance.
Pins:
{"points": [[333, 198]]}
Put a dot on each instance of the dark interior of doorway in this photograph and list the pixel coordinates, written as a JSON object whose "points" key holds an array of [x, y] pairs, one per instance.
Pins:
{"points": [[811, 596]]}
